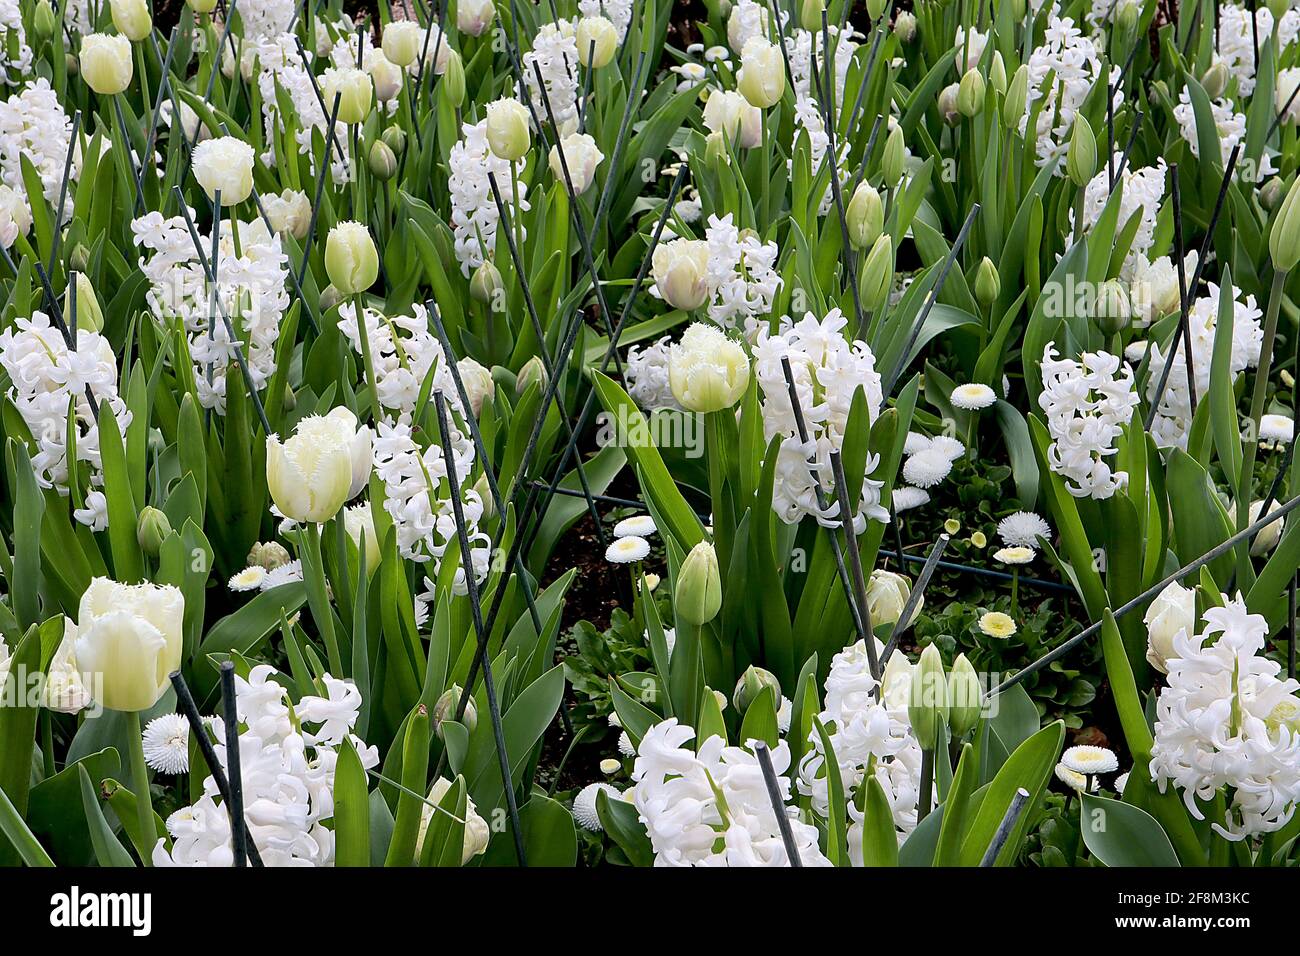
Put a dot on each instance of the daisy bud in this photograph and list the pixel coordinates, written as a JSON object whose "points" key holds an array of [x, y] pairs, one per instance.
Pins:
{"points": [[486, 282], [892, 162], [1215, 80], [507, 129], [355, 92], [132, 19], [1081, 160], [762, 73], [44, 21], [445, 709], [751, 684], [1284, 237], [106, 63], [475, 16], [533, 373], [927, 706], [1013, 104], [988, 285], [581, 157], [698, 595], [225, 164], [128, 641], [680, 271], [401, 41], [351, 260], [948, 105], [707, 371], [878, 273], [382, 162], [597, 41], [905, 26], [89, 315], [970, 93], [1111, 313], [998, 73], [151, 530], [314, 472], [865, 216], [453, 79], [810, 15], [964, 697], [1272, 193], [387, 77]]}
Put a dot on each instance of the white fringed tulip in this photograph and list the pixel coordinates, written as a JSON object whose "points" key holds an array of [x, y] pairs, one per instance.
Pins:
{"points": [[762, 73], [387, 77], [315, 471], [402, 41], [355, 91], [477, 832], [351, 259], [706, 370], [507, 129], [681, 272], [1171, 613], [128, 641], [581, 156], [597, 41], [106, 63], [479, 387], [887, 592], [289, 212], [132, 19], [475, 16], [226, 164]]}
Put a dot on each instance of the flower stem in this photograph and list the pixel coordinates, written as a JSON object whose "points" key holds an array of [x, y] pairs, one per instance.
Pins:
{"points": [[140, 784], [317, 596]]}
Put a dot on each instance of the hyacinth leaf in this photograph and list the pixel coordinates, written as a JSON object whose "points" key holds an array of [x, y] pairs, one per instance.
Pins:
{"points": [[351, 809], [550, 839], [1124, 688], [415, 770], [657, 639], [22, 839], [18, 722], [634, 716], [108, 851], [1045, 320], [1029, 767], [1119, 834], [128, 561], [836, 824], [803, 707], [1199, 516], [710, 722], [523, 724], [122, 801], [25, 580], [759, 722], [879, 835], [620, 822], [54, 808]]}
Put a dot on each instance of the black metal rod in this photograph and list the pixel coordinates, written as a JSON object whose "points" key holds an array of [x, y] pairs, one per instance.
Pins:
{"points": [[914, 597], [778, 805], [230, 713], [1017, 806]]}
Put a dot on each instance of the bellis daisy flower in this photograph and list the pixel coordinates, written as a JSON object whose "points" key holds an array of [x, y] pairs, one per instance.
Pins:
{"points": [[1023, 529], [640, 526], [627, 549], [1090, 760], [584, 805], [166, 741], [972, 396], [1014, 555], [997, 624]]}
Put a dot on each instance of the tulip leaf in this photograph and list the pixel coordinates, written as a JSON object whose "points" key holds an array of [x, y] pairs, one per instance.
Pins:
{"points": [[351, 809], [1119, 834]]}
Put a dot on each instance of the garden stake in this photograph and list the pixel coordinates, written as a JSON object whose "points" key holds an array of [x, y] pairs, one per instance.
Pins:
{"points": [[238, 825], [1017, 806], [914, 597], [778, 805], [851, 545], [320, 190]]}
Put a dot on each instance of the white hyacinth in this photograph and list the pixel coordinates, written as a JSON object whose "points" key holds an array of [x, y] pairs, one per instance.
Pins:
{"points": [[1073, 62], [474, 214], [646, 372]]}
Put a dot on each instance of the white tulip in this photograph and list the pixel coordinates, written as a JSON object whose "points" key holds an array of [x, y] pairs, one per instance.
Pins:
{"points": [[762, 73], [1172, 612], [477, 832], [64, 691], [387, 77], [475, 16], [226, 164], [359, 520], [681, 270], [729, 113], [507, 129], [581, 156], [706, 370], [289, 212], [479, 386], [324, 463], [402, 41], [887, 592], [132, 19], [597, 41], [106, 64], [354, 90], [1269, 535], [129, 641]]}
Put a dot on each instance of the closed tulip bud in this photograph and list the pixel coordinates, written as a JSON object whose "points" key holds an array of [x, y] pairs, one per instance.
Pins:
{"points": [[810, 15], [486, 282], [475, 16], [202, 6], [1017, 9], [507, 129], [1111, 313], [225, 164], [965, 697], [597, 41], [680, 272], [581, 157], [128, 640], [878, 273], [1215, 80], [1272, 193], [1081, 160], [106, 63], [484, 492], [707, 371], [387, 77], [1278, 8], [395, 137], [533, 373], [72, 64], [151, 530], [351, 260], [480, 387], [89, 315], [865, 216], [715, 151], [1126, 18], [355, 91], [988, 284], [132, 19], [79, 258], [401, 41], [325, 462], [752, 683], [44, 20], [1013, 105], [698, 596], [875, 8], [948, 105], [382, 162], [762, 73], [1284, 238], [268, 555], [970, 93], [905, 26], [289, 212], [998, 74], [453, 79], [927, 706], [445, 709], [887, 592], [892, 162]]}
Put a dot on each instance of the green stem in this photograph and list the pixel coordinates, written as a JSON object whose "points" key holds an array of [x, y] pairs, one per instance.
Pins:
{"points": [[927, 784], [140, 784], [317, 595]]}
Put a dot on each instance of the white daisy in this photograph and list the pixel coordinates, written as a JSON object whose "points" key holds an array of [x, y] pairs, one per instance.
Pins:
{"points": [[915, 442], [951, 448], [166, 741], [609, 766], [640, 526], [249, 579], [1276, 428], [1017, 554], [973, 396], [905, 498], [1120, 783], [1023, 529], [926, 468], [627, 549], [1071, 778], [1090, 760], [584, 805], [625, 745]]}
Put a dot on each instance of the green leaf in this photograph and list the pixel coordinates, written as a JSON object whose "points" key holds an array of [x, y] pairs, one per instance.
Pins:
{"points": [[1029, 767], [351, 809], [108, 851], [1120, 834], [879, 835]]}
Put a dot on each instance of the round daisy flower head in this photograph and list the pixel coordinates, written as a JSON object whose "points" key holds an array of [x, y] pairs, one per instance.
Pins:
{"points": [[625, 745], [1120, 783], [640, 526], [972, 396], [1276, 428], [249, 579], [1071, 778], [609, 766], [1017, 554], [915, 442], [997, 624], [627, 549], [166, 741], [926, 468], [905, 498], [1023, 529], [952, 526], [1090, 760], [584, 805], [951, 448]]}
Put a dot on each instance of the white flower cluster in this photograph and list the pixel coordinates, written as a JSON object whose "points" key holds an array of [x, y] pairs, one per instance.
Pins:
{"points": [[1236, 39], [1087, 404], [800, 48], [1174, 416], [15, 54], [827, 371], [1143, 191], [47, 379], [403, 352], [1230, 129], [474, 213], [866, 733], [250, 284], [646, 372], [287, 772], [618, 12], [34, 125], [741, 276], [929, 460], [266, 18], [712, 808], [555, 51], [280, 67], [1227, 719], [1074, 64]]}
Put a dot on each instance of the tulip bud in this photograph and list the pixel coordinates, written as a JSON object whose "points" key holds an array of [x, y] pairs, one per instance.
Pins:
{"points": [[354, 90], [1111, 312], [1014, 103], [1278, 8], [597, 41], [453, 79], [89, 315], [72, 64], [202, 6], [395, 138], [891, 163], [998, 73], [887, 594], [533, 372], [878, 273], [865, 216], [715, 151], [131, 18], [151, 530], [401, 41], [382, 162], [268, 555], [288, 212], [484, 492], [707, 371], [970, 93], [762, 73], [480, 387], [387, 77], [1081, 160], [43, 20], [698, 596], [810, 15], [875, 8], [988, 284], [351, 260], [927, 707], [1215, 80], [445, 709], [905, 26], [751, 684], [507, 129], [1017, 10], [948, 105], [79, 258], [1272, 193], [486, 282], [1284, 238], [106, 63], [680, 272], [965, 697]]}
